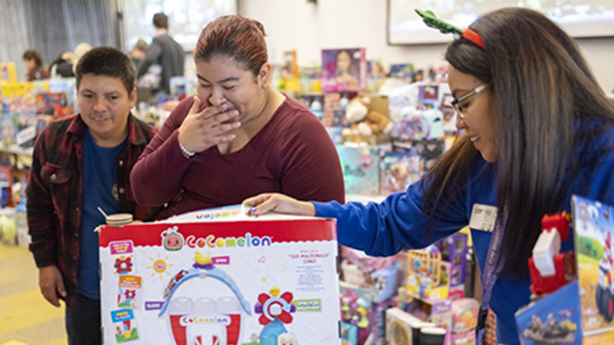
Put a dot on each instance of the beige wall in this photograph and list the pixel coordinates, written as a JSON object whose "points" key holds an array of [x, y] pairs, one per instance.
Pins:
{"points": [[308, 28]]}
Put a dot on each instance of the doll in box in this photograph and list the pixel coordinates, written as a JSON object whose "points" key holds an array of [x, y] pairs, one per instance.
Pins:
{"points": [[345, 71]]}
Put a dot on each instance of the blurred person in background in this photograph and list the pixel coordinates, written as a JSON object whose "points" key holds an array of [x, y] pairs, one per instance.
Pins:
{"points": [[63, 66], [165, 52], [34, 64]]}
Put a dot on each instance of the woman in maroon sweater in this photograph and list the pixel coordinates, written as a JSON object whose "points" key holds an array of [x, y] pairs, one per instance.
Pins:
{"points": [[238, 137]]}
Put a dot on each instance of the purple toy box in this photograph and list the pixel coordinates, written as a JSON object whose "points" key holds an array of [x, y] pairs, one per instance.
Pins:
{"points": [[344, 70]]}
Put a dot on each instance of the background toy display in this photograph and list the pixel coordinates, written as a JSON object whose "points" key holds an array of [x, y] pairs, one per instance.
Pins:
{"points": [[313, 102], [221, 281], [344, 70], [8, 73], [427, 277], [29, 107], [365, 120], [402, 71], [361, 316], [445, 105], [289, 81], [378, 275], [400, 327], [436, 311], [435, 277], [464, 320], [399, 170], [370, 124], [360, 169], [454, 251], [418, 124], [335, 105], [367, 288]]}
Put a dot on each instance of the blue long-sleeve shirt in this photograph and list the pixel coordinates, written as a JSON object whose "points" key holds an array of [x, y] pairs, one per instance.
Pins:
{"points": [[399, 222]]}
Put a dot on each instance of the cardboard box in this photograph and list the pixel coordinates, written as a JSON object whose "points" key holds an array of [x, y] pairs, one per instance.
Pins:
{"points": [[582, 311], [216, 278]]}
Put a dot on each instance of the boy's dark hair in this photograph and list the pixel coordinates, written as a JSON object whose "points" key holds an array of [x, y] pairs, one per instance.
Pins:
{"points": [[160, 21], [33, 55], [107, 61]]}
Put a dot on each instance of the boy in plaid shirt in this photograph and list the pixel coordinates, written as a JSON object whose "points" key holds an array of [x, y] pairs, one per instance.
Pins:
{"points": [[80, 163]]}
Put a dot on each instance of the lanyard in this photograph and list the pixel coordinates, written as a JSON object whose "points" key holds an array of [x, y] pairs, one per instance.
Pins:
{"points": [[490, 276]]}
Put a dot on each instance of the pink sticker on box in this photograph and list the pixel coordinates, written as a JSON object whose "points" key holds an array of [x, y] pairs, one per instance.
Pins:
{"points": [[121, 247], [221, 260]]}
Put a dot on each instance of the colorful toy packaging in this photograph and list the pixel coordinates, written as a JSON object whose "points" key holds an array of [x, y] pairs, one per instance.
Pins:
{"points": [[290, 74], [454, 251], [436, 311], [464, 320], [8, 73], [313, 102], [22, 97], [360, 169], [362, 320], [219, 277], [580, 311], [400, 169], [402, 71], [435, 279], [335, 104], [344, 70]]}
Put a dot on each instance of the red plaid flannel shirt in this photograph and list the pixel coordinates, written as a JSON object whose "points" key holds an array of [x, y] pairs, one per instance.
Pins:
{"points": [[55, 192]]}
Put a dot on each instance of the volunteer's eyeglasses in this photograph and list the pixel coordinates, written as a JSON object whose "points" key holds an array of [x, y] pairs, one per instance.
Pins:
{"points": [[455, 102]]}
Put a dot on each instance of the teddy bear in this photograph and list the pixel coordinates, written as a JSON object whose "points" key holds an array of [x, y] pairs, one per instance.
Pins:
{"points": [[366, 121]]}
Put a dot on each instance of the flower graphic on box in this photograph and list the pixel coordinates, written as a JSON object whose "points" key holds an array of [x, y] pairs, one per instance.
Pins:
{"points": [[123, 265]]}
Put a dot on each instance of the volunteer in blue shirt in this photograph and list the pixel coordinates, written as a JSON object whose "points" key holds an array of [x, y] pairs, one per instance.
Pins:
{"points": [[536, 128]]}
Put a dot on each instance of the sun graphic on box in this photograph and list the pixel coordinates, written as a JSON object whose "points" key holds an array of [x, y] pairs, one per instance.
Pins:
{"points": [[160, 266]]}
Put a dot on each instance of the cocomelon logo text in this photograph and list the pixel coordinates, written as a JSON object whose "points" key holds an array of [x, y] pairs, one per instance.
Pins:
{"points": [[221, 242], [190, 320]]}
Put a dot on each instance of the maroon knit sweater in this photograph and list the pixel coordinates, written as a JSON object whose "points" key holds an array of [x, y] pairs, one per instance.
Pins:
{"points": [[292, 154]]}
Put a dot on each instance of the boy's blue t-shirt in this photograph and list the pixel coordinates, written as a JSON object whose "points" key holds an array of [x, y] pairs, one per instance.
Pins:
{"points": [[99, 190]]}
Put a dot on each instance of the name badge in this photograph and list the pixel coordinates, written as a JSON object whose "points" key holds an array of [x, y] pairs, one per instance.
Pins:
{"points": [[483, 217]]}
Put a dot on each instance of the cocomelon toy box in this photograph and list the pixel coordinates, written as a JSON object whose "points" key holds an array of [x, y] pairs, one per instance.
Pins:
{"points": [[219, 277], [580, 311]]}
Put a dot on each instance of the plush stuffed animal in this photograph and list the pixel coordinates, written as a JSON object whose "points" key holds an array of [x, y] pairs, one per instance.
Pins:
{"points": [[365, 120]]}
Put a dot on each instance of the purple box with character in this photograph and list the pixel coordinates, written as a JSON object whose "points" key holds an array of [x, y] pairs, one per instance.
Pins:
{"points": [[344, 70]]}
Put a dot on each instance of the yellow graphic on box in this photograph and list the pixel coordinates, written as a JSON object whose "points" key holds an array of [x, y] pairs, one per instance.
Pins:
{"points": [[159, 266]]}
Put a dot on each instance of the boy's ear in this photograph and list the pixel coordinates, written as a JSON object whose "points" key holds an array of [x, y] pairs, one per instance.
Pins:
{"points": [[133, 97]]}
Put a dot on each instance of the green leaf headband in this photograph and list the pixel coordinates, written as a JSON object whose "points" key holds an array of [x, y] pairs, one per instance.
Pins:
{"points": [[432, 21]]}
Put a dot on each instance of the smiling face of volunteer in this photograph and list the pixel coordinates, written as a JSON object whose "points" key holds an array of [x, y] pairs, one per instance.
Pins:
{"points": [[473, 103]]}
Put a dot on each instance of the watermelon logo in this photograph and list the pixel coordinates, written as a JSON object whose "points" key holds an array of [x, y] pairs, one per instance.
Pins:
{"points": [[172, 240]]}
